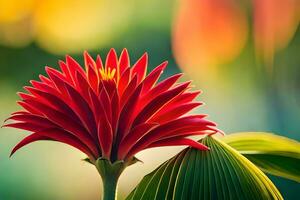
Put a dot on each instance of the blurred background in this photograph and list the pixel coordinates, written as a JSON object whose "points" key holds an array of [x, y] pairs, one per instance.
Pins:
{"points": [[243, 54]]}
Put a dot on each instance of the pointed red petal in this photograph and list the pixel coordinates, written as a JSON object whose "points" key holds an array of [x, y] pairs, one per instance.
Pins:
{"points": [[132, 137], [56, 135], [115, 107], [106, 103], [105, 136], [170, 142], [179, 142], [96, 106], [93, 78], [83, 110], [33, 119], [27, 140], [124, 62], [46, 80], [46, 88], [65, 69], [128, 91], [55, 102], [172, 113], [111, 60], [25, 126], [152, 78], [126, 119], [91, 70], [74, 67], [58, 80], [99, 63], [29, 108], [67, 123], [158, 89], [82, 85], [154, 106], [140, 68], [123, 82], [88, 61]]}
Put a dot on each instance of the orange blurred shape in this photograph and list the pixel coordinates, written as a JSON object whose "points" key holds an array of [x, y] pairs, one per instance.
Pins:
{"points": [[275, 22], [208, 32]]}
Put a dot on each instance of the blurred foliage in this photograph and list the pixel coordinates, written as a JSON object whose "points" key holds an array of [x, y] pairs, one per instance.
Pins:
{"points": [[241, 94]]}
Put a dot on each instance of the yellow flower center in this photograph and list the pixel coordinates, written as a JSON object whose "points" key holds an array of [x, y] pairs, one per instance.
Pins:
{"points": [[107, 73]]}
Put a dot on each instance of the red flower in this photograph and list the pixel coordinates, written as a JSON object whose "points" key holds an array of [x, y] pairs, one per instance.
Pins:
{"points": [[111, 111]]}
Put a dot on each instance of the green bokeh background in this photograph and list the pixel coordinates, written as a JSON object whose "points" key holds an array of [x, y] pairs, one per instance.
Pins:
{"points": [[258, 102]]}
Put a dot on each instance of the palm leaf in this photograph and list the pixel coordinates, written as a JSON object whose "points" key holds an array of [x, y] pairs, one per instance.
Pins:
{"points": [[221, 173], [273, 154]]}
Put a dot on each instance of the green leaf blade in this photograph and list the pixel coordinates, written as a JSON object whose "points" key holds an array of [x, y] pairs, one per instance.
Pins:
{"points": [[273, 154], [221, 173]]}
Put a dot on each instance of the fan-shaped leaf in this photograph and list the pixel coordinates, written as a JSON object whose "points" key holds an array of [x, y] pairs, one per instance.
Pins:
{"points": [[220, 173], [274, 154]]}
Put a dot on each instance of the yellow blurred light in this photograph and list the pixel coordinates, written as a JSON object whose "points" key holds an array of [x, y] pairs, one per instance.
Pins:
{"points": [[72, 26], [15, 10], [67, 26], [16, 22]]}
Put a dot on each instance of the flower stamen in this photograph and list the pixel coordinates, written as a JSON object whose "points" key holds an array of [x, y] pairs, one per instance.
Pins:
{"points": [[107, 73]]}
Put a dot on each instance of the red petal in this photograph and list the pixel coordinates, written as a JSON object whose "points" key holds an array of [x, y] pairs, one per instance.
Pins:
{"points": [[25, 126], [74, 67], [158, 89], [105, 136], [154, 106], [65, 69], [132, 137], [99, 63], [172, 113], [128, 91], [106, 103], [91, 70], [25, 95], [152, 78], [170, 142], [57, 135], [83, 110], [55, 102], [29, 108], [46, 80], [140, 68], [33, 119], [179, 142], [58, 80], [82, 86], [126, 115], [123, 82], [96, 106], [88, 61], [115, 107], [27, 140], [111, 60], [124, 62], [46, 88], [66, 123], [93, 78], [186, 97], [175, 127]]}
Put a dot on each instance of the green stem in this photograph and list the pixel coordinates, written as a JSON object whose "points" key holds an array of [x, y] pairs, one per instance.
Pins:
{"points": [[110, 173], [110, 185]]}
